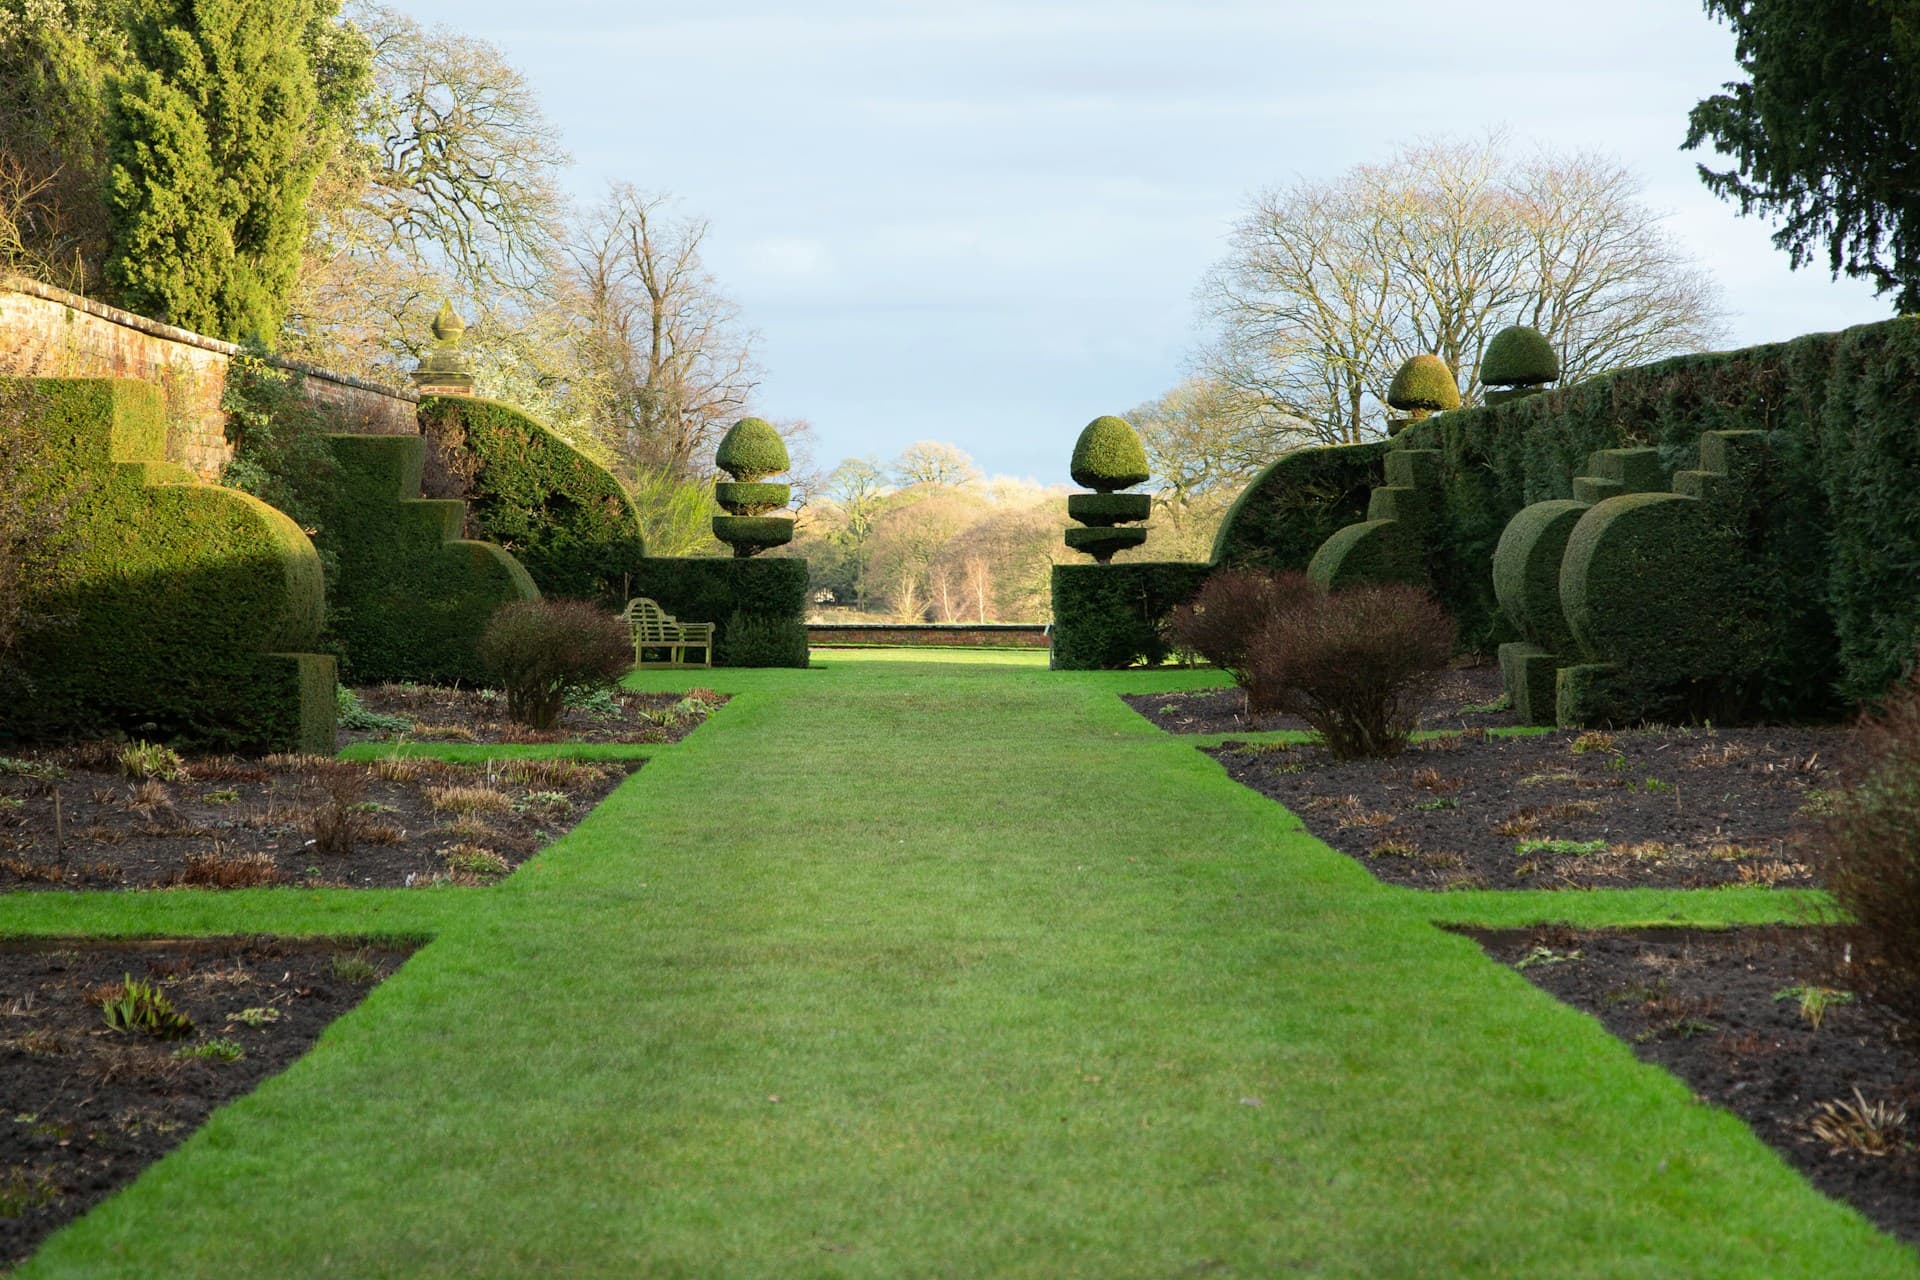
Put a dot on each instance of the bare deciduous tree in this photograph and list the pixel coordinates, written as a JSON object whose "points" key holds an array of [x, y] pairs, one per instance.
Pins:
{"points": [[934, 462], [664, 341], [1328, 287]]}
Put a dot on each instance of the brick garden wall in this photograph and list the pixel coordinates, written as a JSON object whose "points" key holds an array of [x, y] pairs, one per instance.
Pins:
{"points": [[47, 332]]}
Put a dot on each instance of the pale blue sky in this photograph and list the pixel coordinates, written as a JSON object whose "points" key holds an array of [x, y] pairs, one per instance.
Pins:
{"points": [[983, 223]]}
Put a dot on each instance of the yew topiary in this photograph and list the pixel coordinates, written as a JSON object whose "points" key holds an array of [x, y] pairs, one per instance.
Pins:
{"points": [[1519, 356], [1424, 384], [752, 450], [1107, 457]]}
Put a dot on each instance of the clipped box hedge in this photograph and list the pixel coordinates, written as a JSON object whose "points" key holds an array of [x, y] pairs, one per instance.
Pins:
{"points": [[758, 604], [562, 515], [187, 609]]}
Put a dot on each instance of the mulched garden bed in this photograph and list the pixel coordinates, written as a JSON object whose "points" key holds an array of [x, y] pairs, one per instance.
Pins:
{"points": [[84, 1108], [1744, 1018], [1661, 807], [80, 819], [426, 713], [1463, 698]]}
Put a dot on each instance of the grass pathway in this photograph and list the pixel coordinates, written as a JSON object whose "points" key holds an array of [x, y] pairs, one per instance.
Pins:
{"points": [[950, 967]]}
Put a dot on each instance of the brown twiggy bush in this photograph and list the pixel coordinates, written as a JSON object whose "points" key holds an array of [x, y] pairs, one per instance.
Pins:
{"points": [[338, 822], [1230, 610], [1357, 664], [1868, 857], [542, 650]]}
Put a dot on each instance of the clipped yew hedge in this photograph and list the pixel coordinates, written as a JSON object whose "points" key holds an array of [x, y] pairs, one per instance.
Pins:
{"points": [[758, 604], [186, 611], [1833, 549], [561, 514], [1110, 615]]}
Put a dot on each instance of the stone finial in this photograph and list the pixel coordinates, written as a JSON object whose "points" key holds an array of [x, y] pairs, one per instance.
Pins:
{"points": [[445, 370]]}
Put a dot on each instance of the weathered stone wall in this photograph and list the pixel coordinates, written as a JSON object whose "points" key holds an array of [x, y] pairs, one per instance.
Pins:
{"points": [[50, 333]]}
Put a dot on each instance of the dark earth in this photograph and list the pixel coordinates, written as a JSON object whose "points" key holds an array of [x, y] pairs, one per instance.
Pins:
{"points": [[1733, 1014], [84, 1108], [299, 820], [435, 714], [1469, 697], [1663, 807]]}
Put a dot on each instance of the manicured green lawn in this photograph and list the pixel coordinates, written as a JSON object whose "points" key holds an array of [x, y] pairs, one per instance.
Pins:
{"points": [[918, 965]]}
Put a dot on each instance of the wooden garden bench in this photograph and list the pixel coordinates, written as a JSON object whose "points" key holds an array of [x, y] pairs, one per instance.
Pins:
{"points": [[656, 629]]}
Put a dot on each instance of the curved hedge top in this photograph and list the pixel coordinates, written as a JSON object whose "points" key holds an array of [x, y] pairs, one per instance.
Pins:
{"points": [[562, 515], [1518, 356], [1424, 382], [1108, 456], [752, 450]]}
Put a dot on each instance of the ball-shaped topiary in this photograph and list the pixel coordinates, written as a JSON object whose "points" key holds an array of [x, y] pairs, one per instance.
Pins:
{"points": [[1518, 356], [1424, 383], [1107, 457], [752, 450]]}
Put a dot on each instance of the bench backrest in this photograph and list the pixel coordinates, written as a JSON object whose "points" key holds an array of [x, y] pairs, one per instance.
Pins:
{"points": [[649, 621]]}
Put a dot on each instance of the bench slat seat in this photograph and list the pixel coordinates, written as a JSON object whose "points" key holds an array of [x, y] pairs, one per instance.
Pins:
{"points": [[655, 629]]}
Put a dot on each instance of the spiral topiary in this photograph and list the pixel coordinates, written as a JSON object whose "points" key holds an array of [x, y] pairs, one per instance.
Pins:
{"points": [[752, 451], [1106, 458]]}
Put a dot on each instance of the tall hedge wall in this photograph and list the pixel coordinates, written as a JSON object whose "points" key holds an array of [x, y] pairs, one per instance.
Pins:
{"points": [[412, 595], [1108, 615], [184, 608], [560, 513], [1296, 504], [1837, 544], [759, 604]]}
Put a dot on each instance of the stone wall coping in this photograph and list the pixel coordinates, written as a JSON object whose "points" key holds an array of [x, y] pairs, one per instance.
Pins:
{"points": [[186, 337]]}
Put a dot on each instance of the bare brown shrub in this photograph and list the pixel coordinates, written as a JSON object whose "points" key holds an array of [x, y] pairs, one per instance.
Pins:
{"points": [[1229, 611]]}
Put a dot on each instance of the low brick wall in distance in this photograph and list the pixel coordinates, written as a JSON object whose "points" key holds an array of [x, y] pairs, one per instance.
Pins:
{"points": [[952, 635]]}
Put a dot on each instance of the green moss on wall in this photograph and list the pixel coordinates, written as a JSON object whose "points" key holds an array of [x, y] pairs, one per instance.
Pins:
{"points": [[412, 595], [562, 515], [185, 607]]}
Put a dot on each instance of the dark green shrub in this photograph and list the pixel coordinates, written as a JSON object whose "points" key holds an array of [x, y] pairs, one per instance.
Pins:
{"points": [[414, 596], [562, 515], [1424, 383], [1295, 505], [1230, 610], [1110, 616], [1101, 543], [700, 589], [752, 450], [764, 640], [1868, 857], [1103, 509], [1108, 456], [1518, 356], [742, 498], [542, 651], [188, 607], [1356, 664], [750, 535]]}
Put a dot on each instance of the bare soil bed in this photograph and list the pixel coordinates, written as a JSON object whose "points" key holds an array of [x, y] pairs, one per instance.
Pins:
{"points": [[84, 1107], [76, 819], [1463, 698], [1660, 807], [1744, 1019], [427, 713]]}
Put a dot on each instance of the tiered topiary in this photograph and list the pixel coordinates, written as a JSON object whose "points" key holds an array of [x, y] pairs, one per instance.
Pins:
{"points": [[1423, 385], [752, 451], [1519, 361], [1108, 458]]}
